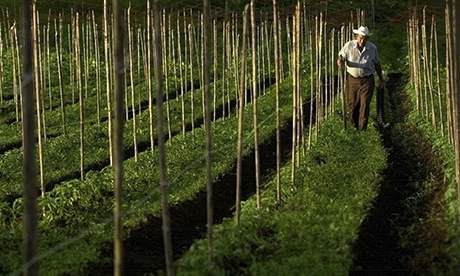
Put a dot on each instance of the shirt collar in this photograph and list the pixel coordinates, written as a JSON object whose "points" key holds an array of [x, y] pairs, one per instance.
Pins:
{"points": [[355, 45]]}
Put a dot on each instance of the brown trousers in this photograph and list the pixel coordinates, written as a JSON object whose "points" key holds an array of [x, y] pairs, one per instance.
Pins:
{"points": [[360, 92]]}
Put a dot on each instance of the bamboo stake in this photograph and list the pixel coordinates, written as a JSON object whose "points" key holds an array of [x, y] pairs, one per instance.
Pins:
{"points": [[456, 32], [215, 65], [119, 90], [71, 54], [37, 94], [438, 79], [18, 59], [240, 117], [15, 82], [42, 69], [343, 74], [277, 108], [280, 48], [164, 185], [268, 51], [418, 73], [98, 69], [430, 77], [80, 96], [140, 64], [312, 88], [58, 41], [174, 60], [181, 76], [299, 88], [254, 103], [293, 60], [192, 92], [149, 79], [131, 78], [206, 76], [448, 77], [224, 58], [425, 67], [289, 45], [30, 243], [166, 72], [108, 79]]}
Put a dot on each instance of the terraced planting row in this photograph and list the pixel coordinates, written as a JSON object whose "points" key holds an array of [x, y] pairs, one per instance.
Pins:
{"points": [[65, 211], [317, 222], [62, 157]]}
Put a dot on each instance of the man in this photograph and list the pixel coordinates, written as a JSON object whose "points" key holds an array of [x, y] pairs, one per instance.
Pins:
{"points": [[362, 60]]}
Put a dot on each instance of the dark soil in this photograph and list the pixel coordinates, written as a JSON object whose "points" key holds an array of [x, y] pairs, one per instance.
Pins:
{"points": [[398, 236], [144, 251]]}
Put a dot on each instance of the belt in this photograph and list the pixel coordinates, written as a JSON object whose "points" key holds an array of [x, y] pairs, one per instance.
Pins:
{"points": [[364, 77]]}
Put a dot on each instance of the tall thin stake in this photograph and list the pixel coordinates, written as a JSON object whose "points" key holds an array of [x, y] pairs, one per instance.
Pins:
{"points": [[28, 126], [131, 78], [254, 102], [456, 31], [206, 77], [277, 87], [240, 116], [164, 185], [108, 80], [37, 94], [119, 91]]}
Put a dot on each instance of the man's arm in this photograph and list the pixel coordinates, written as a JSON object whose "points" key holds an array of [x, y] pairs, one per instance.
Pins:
{"points": [[340, 62], [378, 69]]}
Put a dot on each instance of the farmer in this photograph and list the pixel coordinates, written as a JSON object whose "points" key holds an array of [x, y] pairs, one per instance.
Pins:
{"points": [[362, 60]]}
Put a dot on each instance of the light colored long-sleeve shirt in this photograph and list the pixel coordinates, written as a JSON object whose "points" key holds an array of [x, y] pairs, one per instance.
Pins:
{"points": [[360, 64]]}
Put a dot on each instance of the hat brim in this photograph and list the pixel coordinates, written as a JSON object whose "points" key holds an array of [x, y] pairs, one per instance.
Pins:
{"points": [[355, 31]]}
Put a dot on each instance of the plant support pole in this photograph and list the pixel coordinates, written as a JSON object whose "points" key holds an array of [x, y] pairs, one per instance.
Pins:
{"points": [[30, 208], [119, 91], [164, 185]]}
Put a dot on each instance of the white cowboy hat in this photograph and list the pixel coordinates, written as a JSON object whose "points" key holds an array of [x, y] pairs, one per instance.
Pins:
{"points": [[362, 31]]}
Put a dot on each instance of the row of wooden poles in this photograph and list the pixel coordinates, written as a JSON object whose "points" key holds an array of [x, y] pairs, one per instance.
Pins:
{"points": [[311, 53], [437, 100]]}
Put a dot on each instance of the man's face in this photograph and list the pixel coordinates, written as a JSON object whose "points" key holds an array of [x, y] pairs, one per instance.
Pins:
{"points": [[361, 40]]}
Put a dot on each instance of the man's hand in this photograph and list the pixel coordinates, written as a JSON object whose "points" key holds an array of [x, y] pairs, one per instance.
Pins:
{"points": [[340, 62]]}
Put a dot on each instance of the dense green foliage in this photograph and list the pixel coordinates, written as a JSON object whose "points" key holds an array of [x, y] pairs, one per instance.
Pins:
{"points": [[316, 223], [443, 215], [81, 217]]}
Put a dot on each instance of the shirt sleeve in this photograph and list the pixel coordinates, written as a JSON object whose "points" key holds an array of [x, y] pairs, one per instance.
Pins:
{"points": [[343, 52]]}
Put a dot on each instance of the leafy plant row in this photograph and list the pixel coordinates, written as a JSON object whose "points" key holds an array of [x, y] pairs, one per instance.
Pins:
{"points": [[76, 220], [313, 228], [444, 196], [62, 154], [12, 133]]}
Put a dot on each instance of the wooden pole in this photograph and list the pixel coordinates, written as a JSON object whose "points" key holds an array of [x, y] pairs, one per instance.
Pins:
{"points": [[181, 76], [149, 78], [37, 94], [28, 127], [254, 101], [448, 76], [456, 38], [118, 122], [80, 96], [131, 78], [164, 185], [206, 78], [240, 117], [438, 80], [108, 79], [277, 108]]}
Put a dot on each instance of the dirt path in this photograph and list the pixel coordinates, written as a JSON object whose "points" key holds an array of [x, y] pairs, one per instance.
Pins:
{"points": [[397, 237]]}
